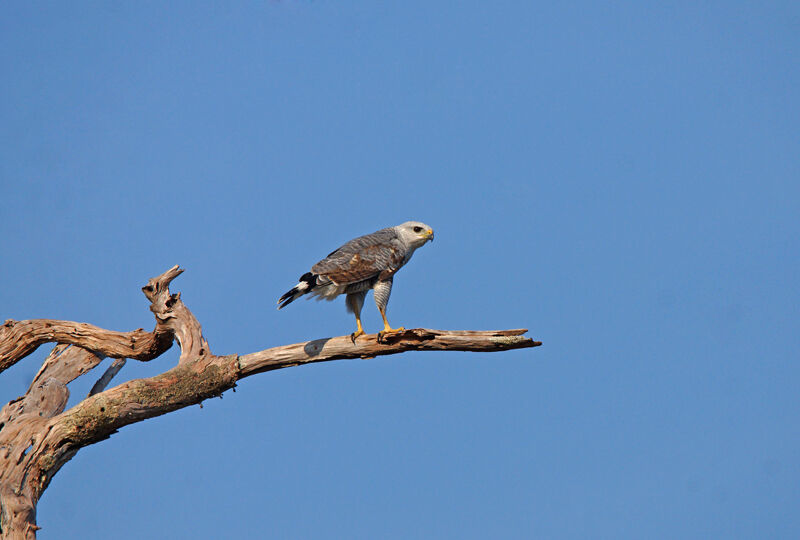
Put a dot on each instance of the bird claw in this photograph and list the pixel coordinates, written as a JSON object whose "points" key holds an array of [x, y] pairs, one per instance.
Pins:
{"points": [[355, 334], [383, 333]]}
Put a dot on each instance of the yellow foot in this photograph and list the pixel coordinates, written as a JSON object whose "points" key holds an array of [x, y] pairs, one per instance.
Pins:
{"points": [[355, 334], [389, 330]]}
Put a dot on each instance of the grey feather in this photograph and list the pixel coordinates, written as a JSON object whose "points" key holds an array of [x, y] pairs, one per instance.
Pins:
{"points": [[381, 292], [363, 263]]}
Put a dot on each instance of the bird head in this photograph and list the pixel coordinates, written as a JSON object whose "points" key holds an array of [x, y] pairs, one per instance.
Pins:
{"points": [[415, 233]]}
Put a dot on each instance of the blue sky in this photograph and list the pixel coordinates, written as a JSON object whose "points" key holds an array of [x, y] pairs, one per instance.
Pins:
{"points": [[620, 178]]}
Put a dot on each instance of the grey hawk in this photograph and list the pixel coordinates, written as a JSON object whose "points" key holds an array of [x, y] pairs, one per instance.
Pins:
{"points": [[364, 263]]}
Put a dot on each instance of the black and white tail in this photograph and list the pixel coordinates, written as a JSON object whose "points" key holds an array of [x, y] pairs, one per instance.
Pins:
{"points": [[307, 282]]}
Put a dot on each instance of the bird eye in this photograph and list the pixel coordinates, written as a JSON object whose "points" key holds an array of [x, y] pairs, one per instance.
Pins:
{"points": [[417, 229]]}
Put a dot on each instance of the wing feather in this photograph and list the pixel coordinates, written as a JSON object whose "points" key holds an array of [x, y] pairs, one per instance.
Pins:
{"points": [[379, 254]]}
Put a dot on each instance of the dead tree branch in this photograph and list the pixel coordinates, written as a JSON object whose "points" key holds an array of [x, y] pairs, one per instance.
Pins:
{"points": [[37, 436], [18, 339], [368, 346]]}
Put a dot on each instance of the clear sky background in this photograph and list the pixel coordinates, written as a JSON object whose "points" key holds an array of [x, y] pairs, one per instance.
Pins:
{"points": [[620, 178]]}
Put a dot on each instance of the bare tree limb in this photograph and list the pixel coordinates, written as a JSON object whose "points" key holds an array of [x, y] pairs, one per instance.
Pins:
{"points": [[368, 346], [37, 436], [172, 314], [23, 426], [66, 367], [109, 374], [18, 339]]}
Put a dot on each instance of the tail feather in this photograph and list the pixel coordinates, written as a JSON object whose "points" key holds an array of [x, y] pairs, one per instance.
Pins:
{"points": [[306, 283]]}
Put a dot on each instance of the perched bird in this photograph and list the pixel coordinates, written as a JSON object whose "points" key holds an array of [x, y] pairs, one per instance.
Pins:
{"points": [[364, 263]]}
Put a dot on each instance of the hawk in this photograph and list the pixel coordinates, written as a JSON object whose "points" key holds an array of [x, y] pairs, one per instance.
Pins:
{"points": [[364, 263]]}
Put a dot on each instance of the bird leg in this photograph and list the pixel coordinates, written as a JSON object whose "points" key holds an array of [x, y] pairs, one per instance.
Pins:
{"points": [[386, 327], [358, 332], [354, 302]]}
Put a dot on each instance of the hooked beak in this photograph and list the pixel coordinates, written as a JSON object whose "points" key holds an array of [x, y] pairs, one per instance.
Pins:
{"points": [[430, 235]]}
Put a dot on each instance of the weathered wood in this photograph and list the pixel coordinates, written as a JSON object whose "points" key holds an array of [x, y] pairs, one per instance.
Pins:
{"points": [[106, 377], [173, 315], [67, 367], [368, 346], [24, 424], [37, 436], [18, 339]]}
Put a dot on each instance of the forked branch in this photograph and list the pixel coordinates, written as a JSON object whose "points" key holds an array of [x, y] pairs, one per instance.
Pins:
{"points": [[39, 436]]}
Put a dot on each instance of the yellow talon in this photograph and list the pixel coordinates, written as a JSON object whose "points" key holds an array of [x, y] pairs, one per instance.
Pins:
{"points": [[387, 330], [359, 331], [386, 327]]}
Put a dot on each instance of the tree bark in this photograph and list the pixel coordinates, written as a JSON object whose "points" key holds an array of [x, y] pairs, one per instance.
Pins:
{"points": [[37, 436]]}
